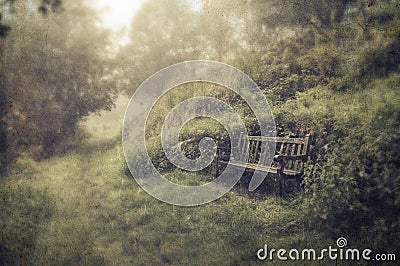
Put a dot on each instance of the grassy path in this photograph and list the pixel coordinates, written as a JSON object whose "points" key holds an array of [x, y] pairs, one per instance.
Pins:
{"points": [[80, 208]]}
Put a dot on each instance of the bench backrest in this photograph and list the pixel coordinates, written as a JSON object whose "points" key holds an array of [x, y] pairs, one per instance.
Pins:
{"points": [[295, 149]]}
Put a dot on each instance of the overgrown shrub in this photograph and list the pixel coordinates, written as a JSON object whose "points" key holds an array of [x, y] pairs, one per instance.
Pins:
{"points": [[353, 185]]}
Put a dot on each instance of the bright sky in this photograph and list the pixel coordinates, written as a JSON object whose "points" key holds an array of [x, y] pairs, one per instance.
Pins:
{"points": [[119, 13]]}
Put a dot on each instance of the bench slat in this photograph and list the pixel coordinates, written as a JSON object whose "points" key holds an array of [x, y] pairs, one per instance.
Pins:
{"points": [[253, 166], [278, 139], [297, 164]]}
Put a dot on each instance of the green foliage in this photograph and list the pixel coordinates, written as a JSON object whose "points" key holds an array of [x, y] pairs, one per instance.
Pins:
{"points": [[87, 211], [353, 185], [338, 80], [55, 73], [329, 68], [315, 13], [291, 66]]}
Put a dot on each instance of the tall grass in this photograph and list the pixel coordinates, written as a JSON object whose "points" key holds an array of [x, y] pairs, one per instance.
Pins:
{"points": [[81, 208]]}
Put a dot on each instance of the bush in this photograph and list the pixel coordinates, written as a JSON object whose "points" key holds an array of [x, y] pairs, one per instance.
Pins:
{"points": [[53, 75], [353, 184]]}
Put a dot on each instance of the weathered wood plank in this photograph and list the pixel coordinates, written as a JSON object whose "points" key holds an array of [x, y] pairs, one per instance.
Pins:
{"points": [[278, 139]]}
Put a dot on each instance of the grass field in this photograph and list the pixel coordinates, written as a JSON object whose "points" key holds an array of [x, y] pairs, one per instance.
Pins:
{"points": [[81, 208]]}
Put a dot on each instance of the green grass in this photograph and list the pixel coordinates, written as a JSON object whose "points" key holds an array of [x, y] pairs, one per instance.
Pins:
{"points": [[80, 208]]}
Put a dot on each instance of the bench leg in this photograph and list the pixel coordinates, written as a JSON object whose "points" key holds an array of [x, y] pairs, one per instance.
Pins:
{"points": [[280, 179], [279, 187], [218, 155], [216, 169]]}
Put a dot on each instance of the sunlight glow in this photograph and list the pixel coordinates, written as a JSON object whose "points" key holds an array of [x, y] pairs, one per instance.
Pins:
{"points": [[117, 14]]}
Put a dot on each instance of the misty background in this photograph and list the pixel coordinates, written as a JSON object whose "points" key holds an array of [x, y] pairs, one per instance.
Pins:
{"points": [[68, 69]]}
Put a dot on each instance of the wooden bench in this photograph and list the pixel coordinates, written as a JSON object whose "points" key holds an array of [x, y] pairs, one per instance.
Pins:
{"points": [[290, 157]]}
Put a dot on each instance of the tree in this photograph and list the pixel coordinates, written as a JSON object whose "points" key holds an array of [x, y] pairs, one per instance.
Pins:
{"points": [[55, 73], [162, 33], [220, 29], [44, 7]]}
